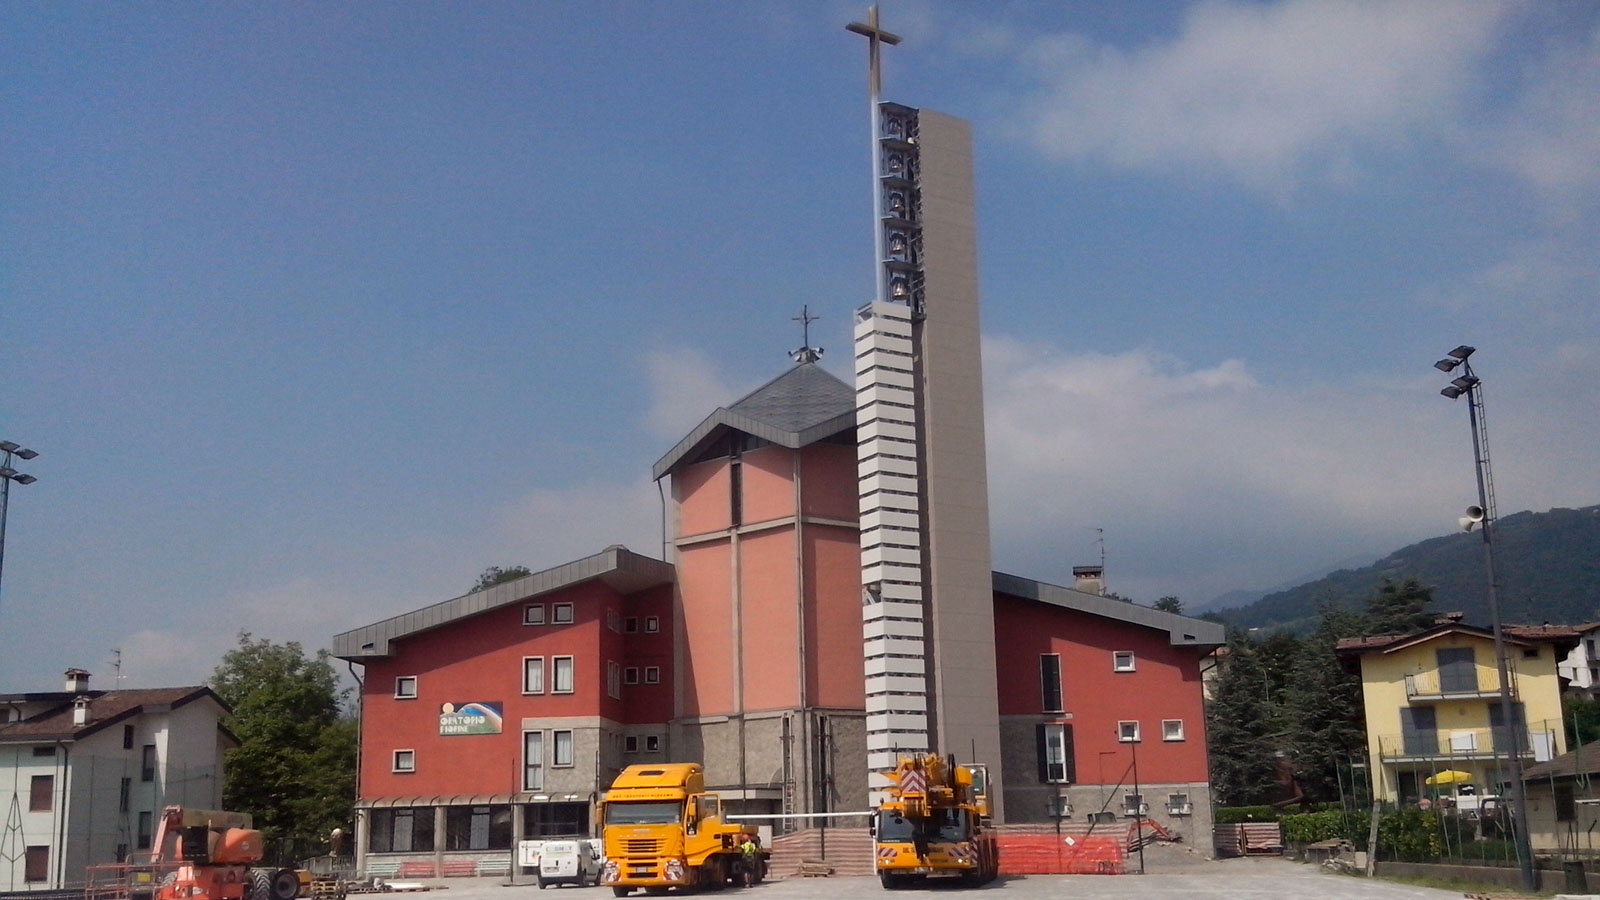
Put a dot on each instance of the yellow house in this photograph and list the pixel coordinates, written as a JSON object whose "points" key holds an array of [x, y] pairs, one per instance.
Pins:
{"points": [[1432, 704]]}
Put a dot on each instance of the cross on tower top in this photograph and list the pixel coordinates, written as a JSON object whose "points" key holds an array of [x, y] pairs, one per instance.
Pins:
{"points": [[874, 36], [806, 353]]}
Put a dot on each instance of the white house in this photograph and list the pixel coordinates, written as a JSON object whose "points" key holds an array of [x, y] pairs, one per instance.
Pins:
{"points": [[84, 774], [1581, 667]]}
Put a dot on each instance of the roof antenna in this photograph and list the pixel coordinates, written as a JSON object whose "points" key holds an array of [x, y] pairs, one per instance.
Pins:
{"points": [[116, 665], [1100, 538], [806, 353]]}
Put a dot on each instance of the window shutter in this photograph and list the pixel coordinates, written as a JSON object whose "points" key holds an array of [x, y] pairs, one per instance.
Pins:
{"points": [[1043, 753], [1069, 759]]}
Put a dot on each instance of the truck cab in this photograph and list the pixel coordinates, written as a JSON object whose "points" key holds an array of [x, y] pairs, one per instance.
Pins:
{"points": [[662, 829]]}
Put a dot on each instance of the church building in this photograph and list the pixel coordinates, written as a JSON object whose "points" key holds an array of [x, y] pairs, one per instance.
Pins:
{"points": [[829, 604]]}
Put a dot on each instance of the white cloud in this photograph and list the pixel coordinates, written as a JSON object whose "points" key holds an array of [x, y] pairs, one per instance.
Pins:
{"points": [[1206, 479], [1551, 137], [1269, 94], [552, 526], [685, 387]]}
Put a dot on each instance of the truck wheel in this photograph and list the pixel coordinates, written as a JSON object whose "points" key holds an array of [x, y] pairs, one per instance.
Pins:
{"points": [[284, 884], [539, 880], [620, 891], [890, 881], [260, 885]]}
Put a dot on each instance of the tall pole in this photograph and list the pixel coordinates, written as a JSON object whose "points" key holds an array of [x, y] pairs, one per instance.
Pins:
{"points": [[10, 450], [1519, 805], [1470, 385]]}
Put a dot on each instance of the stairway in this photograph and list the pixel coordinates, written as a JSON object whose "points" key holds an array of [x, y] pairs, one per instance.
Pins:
{"points": [[848, 851]]}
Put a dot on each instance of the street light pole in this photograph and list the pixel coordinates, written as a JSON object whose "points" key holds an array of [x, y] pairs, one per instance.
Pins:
{"points": [[1470, 385], [8, 474]]}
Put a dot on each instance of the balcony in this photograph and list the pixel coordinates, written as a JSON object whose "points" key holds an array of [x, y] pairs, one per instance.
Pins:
{"points": [[1446, 744], [1463, 683]]}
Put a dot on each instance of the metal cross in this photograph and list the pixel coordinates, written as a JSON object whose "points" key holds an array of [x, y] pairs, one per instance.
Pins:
{"points": [[874, 36], [806, 353]]}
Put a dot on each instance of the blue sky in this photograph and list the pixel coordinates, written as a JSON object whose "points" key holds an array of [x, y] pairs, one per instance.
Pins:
{"points": [[316, 310]]}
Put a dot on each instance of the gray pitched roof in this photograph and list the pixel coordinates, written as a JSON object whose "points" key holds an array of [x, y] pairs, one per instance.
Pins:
{"points": [[106, 708], [799, 407], [617, 566], [1182, 631]]}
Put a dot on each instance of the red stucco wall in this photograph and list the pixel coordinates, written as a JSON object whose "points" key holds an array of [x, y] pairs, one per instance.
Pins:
{"points": [[1164, 685], [770, 619], [479, 659], [701, 492], [833, 620], [705, 583], [768, 484], [828, 480]]}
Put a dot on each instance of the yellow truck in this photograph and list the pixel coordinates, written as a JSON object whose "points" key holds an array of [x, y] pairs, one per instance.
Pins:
{"points": [[933, 824], [662, 830]]}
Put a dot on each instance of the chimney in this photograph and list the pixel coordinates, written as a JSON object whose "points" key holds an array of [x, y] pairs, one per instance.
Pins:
{"points": [[80, 711], [1089, 579], [77, 681]]}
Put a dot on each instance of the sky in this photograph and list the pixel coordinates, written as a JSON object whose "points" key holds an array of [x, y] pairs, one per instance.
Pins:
{"points": [[313, 311]]}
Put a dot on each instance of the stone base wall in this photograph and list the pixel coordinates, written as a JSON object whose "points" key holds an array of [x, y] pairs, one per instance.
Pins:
{"points": [[837, 736]]}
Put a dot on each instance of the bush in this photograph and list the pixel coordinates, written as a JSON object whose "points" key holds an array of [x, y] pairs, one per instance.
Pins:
{"points": [[1236, 814], [1310, 828], [1410, 835]]}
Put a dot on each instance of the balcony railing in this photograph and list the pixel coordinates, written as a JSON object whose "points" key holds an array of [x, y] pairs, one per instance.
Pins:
{"points": [[1450, 743], [1438, 684]]}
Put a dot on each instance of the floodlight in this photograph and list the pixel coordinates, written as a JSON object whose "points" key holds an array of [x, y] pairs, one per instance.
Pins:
{"points": [[1466, 382], [25, 453], [25, 479], [1461, 352], [10, 446], [1446, 365], [7, 472], [1451, 392]]}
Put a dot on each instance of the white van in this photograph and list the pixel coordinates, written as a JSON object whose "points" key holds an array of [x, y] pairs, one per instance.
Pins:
{"points": [[568, 862]]}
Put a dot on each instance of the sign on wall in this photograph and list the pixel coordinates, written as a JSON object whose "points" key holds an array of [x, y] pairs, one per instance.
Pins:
{"points": [[469, 718]]}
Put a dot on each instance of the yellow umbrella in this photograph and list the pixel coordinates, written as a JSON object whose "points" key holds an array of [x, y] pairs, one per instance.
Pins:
{"points": [[1449, 776]]}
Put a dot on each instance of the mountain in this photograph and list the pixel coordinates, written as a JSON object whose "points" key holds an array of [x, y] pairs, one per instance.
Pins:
{"points": [[1548, 566], [1239, 598]]}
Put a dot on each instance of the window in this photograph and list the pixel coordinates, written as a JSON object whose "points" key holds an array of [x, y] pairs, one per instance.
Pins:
{"points": [[533, 674], [44, 751], [652, 624], [1566, 807], [630, 625], [1531, 653], [41, 793], [630, 675], [652, 743], [403, 829], [127, 737], [37, 867], [1128, 732], [561, 614], [533, 760], [144, 830], [562, 675], [735, 492], [533, 614], [405, 760], [613, 680], [1122, 661], [405, 687], [147, 764], [1588, 644], [562, 748], [612, 622], [124, 794], [1133, 804], [1050, 681], [652, 674], [630, 744], [1172, 729], [1178, 805], [1055, 755], [477, 828]]}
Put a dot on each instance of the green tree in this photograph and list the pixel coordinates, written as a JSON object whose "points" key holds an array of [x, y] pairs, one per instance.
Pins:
{"points": [[1582, 718], [1399, 607], [495, 575], [1170, 604], [295, 767], [1244, 768], [1325, 708]]}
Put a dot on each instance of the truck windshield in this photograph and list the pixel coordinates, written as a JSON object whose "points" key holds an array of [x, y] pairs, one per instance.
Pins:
{"points": [[952, 825], [643, 813], [893, 829]]}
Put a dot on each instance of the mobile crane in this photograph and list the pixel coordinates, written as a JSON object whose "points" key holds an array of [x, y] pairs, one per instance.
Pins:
{"points": [[934, 823]]}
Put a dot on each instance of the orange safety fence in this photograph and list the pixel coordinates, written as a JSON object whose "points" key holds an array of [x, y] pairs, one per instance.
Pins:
{"points": [[1069, 854]]}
